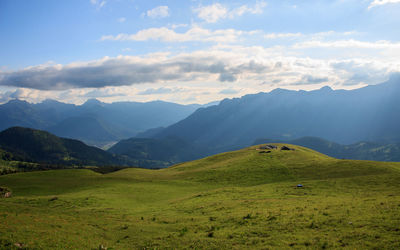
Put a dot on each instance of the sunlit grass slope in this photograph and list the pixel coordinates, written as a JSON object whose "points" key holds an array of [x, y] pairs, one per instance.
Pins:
{"points": [[241, 199]]}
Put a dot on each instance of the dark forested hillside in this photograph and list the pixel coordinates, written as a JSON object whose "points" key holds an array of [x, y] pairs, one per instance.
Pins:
{"points": [[30, 145]]}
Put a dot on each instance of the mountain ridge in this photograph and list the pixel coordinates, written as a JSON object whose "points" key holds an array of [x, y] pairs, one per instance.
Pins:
{"points": [[343, 116], [122, 119]]}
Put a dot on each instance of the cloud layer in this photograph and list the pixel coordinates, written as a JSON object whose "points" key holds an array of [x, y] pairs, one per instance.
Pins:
{"points": [[215, 12], [194, 34], [251, 65], [128, 70]]}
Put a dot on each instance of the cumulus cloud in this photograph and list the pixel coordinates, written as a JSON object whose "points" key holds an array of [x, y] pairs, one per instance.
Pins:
{"points": [[214, 12], [381, 2], [194, 34], [158, 12]]}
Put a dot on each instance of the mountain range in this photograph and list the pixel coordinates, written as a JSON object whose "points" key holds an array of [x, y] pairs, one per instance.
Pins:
{"points": [[366, 120], [354, 124], [93, 122], [343, 116]]}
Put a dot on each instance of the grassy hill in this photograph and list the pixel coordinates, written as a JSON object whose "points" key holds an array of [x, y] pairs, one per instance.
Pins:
{"points": [[374, 151], [241, 199]]}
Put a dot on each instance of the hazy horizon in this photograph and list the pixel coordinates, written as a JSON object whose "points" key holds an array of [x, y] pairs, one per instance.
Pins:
{"points": [[83, 101]]}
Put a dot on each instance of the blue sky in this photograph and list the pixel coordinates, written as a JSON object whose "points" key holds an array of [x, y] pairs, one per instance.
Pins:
{"points": [[192, 51]]}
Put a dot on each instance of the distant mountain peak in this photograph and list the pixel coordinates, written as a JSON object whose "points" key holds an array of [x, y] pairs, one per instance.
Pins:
{"points": [[16, 100], [280, 91], [50, 101], [93, 102], [325, 89]]}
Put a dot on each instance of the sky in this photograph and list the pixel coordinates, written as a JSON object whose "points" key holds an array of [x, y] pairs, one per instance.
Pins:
{"points": [[192, 51]]}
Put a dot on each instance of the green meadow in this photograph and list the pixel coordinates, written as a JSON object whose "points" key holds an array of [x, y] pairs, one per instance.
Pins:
{"points": [[241, 199]]}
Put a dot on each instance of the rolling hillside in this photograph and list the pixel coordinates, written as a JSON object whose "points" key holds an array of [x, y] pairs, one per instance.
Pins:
{"points": [[246, 199]]}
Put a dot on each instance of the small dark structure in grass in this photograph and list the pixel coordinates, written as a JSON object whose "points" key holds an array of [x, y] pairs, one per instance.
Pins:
{"points": [[53, 198], [5, 192], [299, 185], [265, 152], [286, 148]]}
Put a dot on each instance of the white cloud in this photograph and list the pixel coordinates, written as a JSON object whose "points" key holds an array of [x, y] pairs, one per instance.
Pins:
{"points": [[121, 19], [158, 12], [195, 33], [213, 13], [381, 2]]}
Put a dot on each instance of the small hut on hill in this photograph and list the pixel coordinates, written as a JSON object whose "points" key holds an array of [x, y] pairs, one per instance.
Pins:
{"points": [[268, 147]]}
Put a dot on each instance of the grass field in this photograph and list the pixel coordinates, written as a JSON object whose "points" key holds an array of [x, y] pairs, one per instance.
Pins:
{"points": [[241, 199]]}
